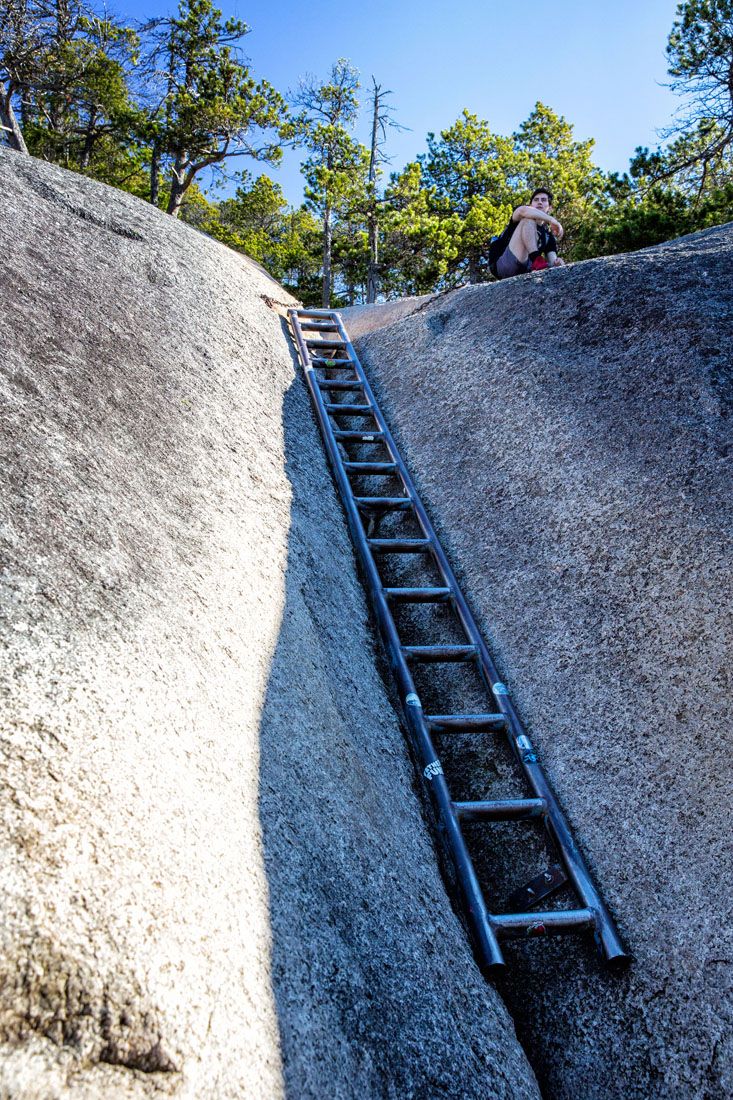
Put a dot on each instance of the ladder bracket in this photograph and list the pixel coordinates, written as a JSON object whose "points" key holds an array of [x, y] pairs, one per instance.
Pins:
{"points": [[538, 888]]}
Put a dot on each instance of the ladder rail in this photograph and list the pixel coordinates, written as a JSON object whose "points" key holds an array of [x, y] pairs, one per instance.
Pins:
{"points": [[486, 927], [485, 938], [516, 734]]}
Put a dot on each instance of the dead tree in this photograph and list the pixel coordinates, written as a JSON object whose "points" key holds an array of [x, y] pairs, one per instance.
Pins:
{"points": [[381, 119]]}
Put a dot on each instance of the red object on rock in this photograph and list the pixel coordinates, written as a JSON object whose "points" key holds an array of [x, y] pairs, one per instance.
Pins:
{"points": [[539, 264]]}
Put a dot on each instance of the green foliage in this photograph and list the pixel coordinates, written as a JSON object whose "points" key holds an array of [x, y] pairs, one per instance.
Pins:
{"points": [[351, 258], [419, 245], [638, 220], [258, 222], [475, 179], [211, 106], [686, 185], [337, 166], [696, 163], [547, 155], [255, 216], [332, 168], [469, 173], [335, 172], [632, 222], [467, 161], [699, 53], [301, 256], [152, 110], [700, 62], [72, 70]]}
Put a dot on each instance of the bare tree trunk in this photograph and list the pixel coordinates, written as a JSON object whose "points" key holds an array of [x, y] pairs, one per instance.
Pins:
{"points": [[327, 243], [9, 122], [175, 202], [373, 270], [372, 276], [474, 271], [24, 109], [178, 185], [155, 174], [89, 138]]}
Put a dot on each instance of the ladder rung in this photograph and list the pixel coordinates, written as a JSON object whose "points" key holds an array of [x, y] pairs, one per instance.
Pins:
{"points": [[418, 595], [439, 652], [464, 723], [505, 809], [540, 924], [383, 468], [332, 364], [338, 384], [359, 437], [400, 546], [327, 354], [398, 504], [350, 410]]}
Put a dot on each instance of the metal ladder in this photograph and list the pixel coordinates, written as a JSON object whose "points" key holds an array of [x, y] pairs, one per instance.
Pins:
{"points": [[351, 423]]}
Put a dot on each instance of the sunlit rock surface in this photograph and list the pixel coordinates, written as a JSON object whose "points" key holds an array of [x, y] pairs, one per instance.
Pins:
{"points": [[215, 878], [570, 433]]}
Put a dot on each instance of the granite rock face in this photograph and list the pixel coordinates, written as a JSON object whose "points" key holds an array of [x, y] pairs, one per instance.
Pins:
{"points": [[570, 434], [215, 877]]}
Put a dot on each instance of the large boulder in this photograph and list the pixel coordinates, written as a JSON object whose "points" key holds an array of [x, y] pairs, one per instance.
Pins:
{"points": [[215, 878], [570, 434]]}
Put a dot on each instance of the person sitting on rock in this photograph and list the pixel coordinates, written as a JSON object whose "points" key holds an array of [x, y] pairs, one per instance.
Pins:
{"points": [[527, 244]]}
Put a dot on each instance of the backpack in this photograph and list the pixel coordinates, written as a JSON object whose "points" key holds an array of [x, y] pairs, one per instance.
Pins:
{"points": [[499, 244]]}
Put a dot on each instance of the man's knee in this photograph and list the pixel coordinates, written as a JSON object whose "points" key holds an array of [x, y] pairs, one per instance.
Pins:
{"points": [[529, 232], [524, 239]]}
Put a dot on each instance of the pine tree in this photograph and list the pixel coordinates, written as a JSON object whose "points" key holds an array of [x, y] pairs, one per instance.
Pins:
{"points": [[472, 173], [547, 155], [211, 108], [68, 70], [419, 245], [336, 168]]}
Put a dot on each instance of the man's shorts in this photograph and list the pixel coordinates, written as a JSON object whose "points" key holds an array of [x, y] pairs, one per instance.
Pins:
{"points": [[508, 265]]}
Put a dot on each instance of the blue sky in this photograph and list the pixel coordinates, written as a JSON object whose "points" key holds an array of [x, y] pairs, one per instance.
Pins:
{"points": [[602, 67]]}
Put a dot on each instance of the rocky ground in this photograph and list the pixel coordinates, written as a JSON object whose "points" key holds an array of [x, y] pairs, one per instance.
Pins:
{"points": [[570, 434], [215, 878]]}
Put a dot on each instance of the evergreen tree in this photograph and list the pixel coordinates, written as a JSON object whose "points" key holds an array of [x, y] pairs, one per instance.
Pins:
{"points": [[68, 70], [211, 107], [698, 159], [25, 29], [257, 221], [256, 215], [472, 175], [547, 155], [700, 56], [696, 163], [419, 245], [336, 168]]}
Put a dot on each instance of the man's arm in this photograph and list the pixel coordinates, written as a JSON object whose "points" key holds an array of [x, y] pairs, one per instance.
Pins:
{"points": [[538, 216], [553, 260]]}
